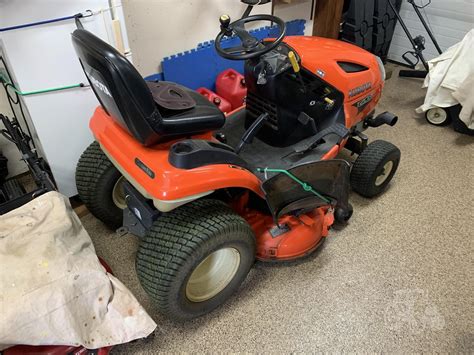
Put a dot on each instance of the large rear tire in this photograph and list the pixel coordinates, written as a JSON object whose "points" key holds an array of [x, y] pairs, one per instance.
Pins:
{"points": [[99, 185], [374, 168], [195, 257]]}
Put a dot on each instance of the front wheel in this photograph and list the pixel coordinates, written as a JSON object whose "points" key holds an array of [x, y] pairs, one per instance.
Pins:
{"points": [[195, 257], [374, 168]]}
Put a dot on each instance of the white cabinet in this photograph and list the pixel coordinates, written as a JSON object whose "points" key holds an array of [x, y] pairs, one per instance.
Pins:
{"points": [[42, 57]]}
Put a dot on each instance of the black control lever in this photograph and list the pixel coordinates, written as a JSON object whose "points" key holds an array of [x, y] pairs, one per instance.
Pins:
{"points": [[296, 69], [250, 133], [225, 22]]}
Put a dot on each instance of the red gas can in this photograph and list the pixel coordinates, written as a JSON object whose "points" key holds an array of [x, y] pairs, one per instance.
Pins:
{"points": [[217, 100], [230, 84]]}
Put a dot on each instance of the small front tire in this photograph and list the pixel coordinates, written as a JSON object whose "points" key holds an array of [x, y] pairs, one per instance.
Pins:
{"points": [[374, 168]]}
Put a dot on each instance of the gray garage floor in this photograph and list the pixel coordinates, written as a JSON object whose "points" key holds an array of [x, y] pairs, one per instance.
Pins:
{"points": [[398, 278]]}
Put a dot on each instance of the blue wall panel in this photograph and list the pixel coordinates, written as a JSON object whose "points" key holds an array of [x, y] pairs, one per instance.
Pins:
{"points": [[199, 67]]}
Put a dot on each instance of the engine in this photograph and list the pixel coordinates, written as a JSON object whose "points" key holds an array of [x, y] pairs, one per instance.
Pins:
{"points": [[301, 104]]}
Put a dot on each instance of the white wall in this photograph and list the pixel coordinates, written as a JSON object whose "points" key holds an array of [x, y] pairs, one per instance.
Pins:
{"points": [[296, 9], [42, 57], [160, 28], [449, 21]]}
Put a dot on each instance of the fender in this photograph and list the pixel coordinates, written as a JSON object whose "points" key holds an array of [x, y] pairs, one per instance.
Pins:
{"points": [[149, 171]]}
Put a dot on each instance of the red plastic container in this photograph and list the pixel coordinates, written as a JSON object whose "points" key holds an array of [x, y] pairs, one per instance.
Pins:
{"points": [[230, 84], [217, 100]]}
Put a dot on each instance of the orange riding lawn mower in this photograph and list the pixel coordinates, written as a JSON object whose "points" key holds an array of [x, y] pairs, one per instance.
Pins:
{"points": [[208, 193]]}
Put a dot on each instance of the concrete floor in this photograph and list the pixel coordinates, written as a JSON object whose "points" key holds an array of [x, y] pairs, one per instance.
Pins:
{"points": [[398, 278]]}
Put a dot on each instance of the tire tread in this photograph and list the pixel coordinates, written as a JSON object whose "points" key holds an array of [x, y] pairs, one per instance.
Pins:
{"points": [[172, 241], [92, 168], [367, 164]]}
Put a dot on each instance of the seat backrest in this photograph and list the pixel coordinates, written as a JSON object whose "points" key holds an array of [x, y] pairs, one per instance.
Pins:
{"points": [[120, 89]]}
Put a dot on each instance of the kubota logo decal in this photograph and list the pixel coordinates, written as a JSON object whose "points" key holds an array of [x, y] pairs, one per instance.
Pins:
{"points": [[99, 85], [360, 89]]}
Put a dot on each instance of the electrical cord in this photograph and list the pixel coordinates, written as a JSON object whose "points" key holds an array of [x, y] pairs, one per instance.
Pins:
{"points": [[27, 93]]}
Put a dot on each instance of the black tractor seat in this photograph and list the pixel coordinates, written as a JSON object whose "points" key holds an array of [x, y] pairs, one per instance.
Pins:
{"points": [[184, 111], [150, 111]]}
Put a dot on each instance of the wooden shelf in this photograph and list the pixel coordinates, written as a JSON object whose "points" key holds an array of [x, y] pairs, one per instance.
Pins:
{"points": [[327, 18]]}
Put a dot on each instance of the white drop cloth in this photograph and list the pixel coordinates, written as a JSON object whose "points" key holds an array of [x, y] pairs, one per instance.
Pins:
{"points": [[53, 289], [451, 80]]}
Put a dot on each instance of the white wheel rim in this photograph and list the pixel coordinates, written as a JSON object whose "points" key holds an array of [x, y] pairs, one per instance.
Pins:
{"points": [[213, 274], [387, 169], [437, 115], [118, 194]]}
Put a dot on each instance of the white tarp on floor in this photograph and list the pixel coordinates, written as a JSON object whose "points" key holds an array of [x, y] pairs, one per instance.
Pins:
{"points": [[451, 80], [53, 289]]}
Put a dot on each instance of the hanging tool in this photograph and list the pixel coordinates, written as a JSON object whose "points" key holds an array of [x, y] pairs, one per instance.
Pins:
{"points": [[418, 43]]}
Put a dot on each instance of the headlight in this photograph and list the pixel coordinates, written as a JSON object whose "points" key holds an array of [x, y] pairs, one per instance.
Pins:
{"points": [[381, 68]]}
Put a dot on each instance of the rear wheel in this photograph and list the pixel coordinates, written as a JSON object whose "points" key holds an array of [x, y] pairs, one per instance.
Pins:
{"points": [[195, 257], [100, 186], [374, 168]]}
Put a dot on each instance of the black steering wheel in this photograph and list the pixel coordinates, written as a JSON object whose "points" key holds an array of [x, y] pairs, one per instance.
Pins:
{"points": [[251, 47]]}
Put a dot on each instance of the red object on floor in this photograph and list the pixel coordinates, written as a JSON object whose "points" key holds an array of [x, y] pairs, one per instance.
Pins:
{"points": [[217, 100], [58, 349], [54, 350], [230, 84]]}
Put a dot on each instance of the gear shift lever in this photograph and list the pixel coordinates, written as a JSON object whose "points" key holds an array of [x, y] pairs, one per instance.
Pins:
{"points": [[225, 22]]}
